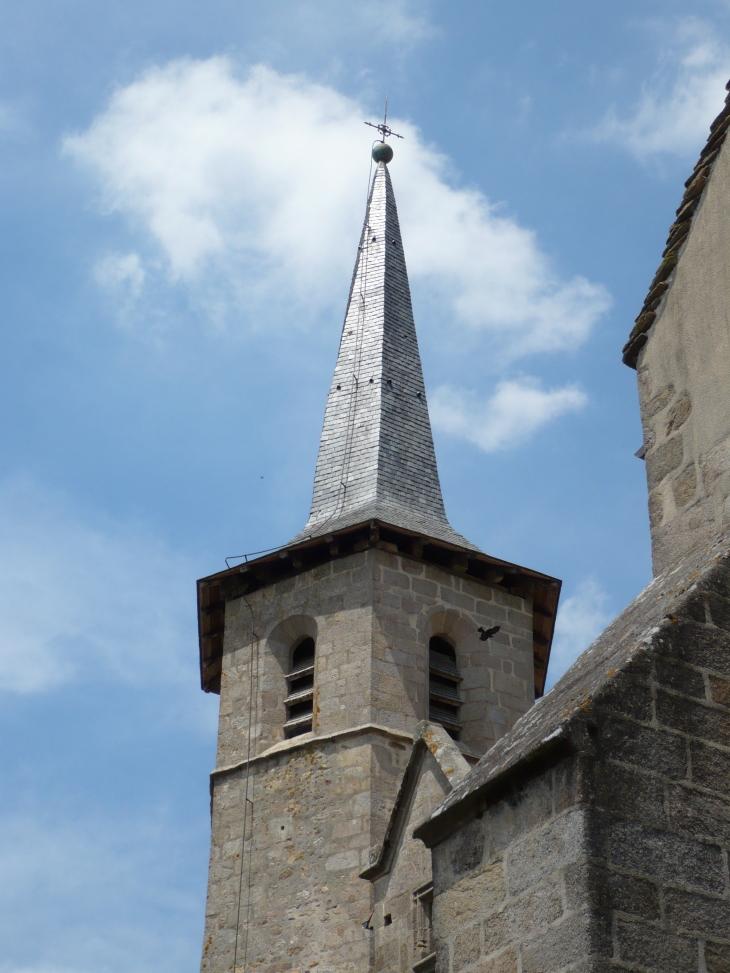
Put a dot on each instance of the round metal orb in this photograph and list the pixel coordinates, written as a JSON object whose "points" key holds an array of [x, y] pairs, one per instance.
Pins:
{"points": [[382, 152]]}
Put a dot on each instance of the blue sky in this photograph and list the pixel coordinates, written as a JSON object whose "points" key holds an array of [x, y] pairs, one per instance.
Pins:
{"points": [[181, 189]]}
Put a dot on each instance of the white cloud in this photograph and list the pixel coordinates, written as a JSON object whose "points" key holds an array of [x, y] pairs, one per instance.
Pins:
{"points": [[118, 271], [581, 619], [253, 190], [677, 106], [515, 411], [80, 599]]}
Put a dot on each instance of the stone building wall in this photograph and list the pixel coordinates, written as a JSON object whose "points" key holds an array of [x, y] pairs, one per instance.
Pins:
{"points": [[683, 385], [322, 800], [401, 874], [401, 923], [371, 615], [607, 847], [310, 837], [504, 896]]}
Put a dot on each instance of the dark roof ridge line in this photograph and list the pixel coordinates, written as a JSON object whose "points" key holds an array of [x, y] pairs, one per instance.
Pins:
{"points": [[696, 186]]}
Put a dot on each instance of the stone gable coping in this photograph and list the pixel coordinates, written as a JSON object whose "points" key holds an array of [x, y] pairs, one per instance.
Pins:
{"points": [[678, 235], [428, 738]]}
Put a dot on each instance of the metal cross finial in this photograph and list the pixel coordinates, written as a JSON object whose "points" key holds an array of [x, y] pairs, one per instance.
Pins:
{"points": [[383, 128]]}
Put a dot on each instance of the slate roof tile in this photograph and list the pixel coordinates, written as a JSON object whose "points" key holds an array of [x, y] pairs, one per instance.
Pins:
{"points": [[376, 457]]}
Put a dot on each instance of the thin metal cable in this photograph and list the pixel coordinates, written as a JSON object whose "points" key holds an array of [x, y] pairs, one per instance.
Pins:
{"points": [[250, 843], [255, 642], [355, 378], [237, 557], [252, 705], [340, 488], [357, 357]]}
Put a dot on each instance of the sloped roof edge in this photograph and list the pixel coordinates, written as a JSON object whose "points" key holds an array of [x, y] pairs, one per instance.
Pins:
{"points": [[678, 235], [428, 738], [549, 725]]}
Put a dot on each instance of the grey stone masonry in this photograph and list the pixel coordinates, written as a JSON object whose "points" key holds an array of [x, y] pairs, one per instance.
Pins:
{"points": [[321, 802], [682, 377], [376, 456], [371, 615], [595, 835], [402, 871]]}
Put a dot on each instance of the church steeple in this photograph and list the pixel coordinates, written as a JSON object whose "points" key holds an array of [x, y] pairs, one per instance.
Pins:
{"points": [[376, 456], [329, 652]]}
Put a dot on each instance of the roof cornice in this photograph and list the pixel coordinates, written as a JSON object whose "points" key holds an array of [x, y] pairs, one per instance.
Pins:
{"points": [[294, 559]]}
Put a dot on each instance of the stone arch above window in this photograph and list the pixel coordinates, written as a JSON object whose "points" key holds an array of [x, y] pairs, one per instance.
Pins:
{"points": [[450, 625], [288, 633], [291, 645]]}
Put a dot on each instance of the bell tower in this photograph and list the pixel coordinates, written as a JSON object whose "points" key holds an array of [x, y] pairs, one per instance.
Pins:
{"points": [[328, 652]]}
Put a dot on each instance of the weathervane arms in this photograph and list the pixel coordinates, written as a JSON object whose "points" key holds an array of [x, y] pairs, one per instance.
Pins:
{"points": [[384, 128]]}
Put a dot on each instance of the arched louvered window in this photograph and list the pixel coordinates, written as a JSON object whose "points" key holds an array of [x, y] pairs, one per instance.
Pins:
{"points": [[443, 686], [300, 690]]}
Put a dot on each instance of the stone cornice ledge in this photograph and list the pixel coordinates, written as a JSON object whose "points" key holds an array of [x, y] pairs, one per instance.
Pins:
{"points": [[287, 746]]}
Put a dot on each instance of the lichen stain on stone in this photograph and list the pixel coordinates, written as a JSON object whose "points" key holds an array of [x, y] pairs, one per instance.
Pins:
{"points": [[432, 741]]}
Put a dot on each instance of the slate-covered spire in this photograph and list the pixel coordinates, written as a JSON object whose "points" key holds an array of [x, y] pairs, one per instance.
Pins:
{"points": [[376, 456]]}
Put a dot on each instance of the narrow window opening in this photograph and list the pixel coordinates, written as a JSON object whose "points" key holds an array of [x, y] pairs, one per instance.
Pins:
{"points": [[387, 919], [444, 698], [422, 937], [300, 690]]}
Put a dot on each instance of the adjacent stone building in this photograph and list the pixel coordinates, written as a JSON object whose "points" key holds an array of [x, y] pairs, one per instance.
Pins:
{"points": [[594, 835], [393, 792]]}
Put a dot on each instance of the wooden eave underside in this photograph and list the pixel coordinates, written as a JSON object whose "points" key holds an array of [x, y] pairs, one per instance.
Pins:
{"points": [[215, 590]]}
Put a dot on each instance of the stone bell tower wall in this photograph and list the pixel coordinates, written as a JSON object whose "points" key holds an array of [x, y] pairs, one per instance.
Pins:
{"points": [[371, 615], [321, 801], [315, 808], [684, 387]]}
